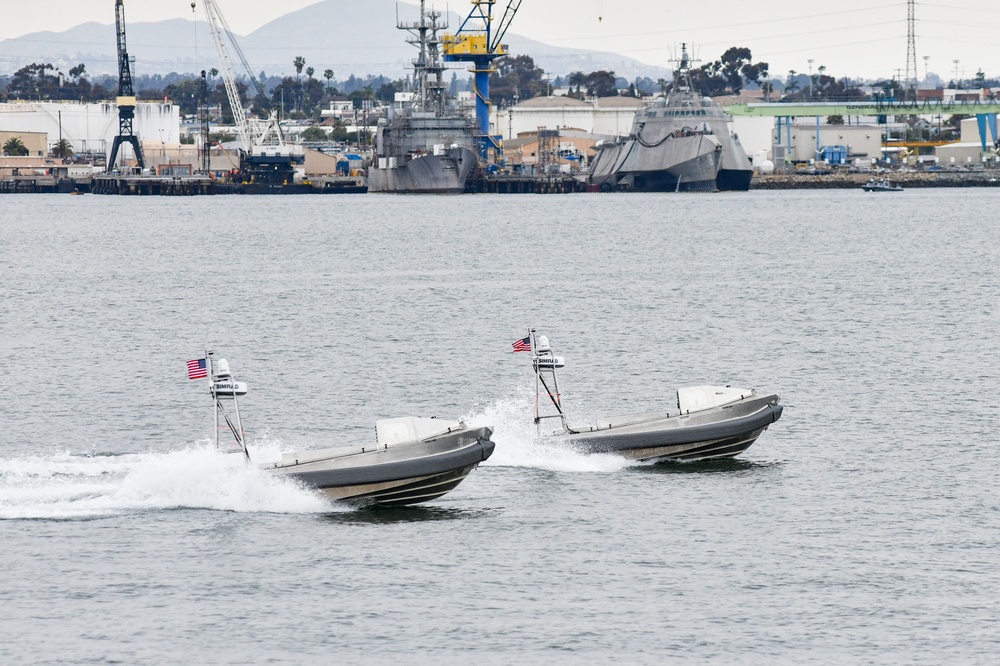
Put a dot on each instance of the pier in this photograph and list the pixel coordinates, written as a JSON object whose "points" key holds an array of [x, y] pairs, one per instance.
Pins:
{"points": [[506, 183], [152, 185]]}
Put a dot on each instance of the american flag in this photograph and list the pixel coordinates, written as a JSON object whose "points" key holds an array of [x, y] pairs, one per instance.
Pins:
{"points": [[524, 344], [198, 368]]}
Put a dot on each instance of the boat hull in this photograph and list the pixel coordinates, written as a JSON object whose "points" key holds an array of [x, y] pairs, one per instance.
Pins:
{"points": [[719, 432], [683, 143], [734, 180], [870, 188], [403, 474], [684, 164], [410, 490], [447, 173]]}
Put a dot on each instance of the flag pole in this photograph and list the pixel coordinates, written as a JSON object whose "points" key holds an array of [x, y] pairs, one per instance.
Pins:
{"points": [[534, 362], [215, 398]]}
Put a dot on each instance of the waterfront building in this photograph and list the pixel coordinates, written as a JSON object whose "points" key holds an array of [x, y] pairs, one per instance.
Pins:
{"points": [[564, 150], [91, 127], [35, 142], [846, 143], [604, 116], [969, 148]]}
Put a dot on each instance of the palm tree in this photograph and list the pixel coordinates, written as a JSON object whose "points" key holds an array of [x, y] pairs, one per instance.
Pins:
{"points": [[792, 84], [310, 71], [299, 63], [328, 75], [577, 79], [63, 149], [15, 147], [819, 79]]}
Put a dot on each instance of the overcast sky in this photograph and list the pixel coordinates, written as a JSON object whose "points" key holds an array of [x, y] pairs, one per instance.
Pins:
{"points": [[857, 38]]}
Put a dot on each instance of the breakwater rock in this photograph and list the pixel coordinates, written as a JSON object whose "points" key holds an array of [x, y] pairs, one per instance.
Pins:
{"points": [[821, 181]]}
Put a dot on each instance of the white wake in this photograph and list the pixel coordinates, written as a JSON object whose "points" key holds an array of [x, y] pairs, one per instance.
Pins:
{"points": [[520, 445], [68, 485]]}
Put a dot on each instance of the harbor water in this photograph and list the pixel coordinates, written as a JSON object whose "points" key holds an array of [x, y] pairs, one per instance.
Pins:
{"points": [[860, 528]]}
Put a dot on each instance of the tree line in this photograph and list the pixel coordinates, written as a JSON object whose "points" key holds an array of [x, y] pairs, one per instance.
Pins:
{"points": [[517, 78]]}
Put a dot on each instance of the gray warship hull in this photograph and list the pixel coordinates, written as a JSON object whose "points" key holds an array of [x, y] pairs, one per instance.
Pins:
{"points": [[678, 143], [425, 145], [447, 173], [675, 163], [674, 153]]}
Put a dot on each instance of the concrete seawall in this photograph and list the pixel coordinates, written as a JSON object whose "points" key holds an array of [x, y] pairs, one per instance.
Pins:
{"points": [[807, 181]]}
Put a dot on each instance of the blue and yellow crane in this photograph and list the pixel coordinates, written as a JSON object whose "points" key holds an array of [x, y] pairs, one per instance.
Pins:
{"points": [[478, 42]]}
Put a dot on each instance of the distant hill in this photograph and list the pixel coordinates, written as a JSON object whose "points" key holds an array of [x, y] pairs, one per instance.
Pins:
{"points": [[348, 37]]}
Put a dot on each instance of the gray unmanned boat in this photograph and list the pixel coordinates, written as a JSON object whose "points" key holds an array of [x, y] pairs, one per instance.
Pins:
{"points": [[706, 422], [427, 146], [412, 459], [678, 143]]}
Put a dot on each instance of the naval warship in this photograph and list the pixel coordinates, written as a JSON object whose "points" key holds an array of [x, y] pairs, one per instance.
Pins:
{"points": [[678, 143], [427, 146]]}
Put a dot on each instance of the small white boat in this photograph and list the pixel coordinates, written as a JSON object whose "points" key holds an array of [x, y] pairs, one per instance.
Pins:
{"points": [[881, 185], [706, 422], [412, 459]]}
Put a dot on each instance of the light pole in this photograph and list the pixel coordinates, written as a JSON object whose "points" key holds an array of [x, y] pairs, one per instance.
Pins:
{"points": [[810, 61]]}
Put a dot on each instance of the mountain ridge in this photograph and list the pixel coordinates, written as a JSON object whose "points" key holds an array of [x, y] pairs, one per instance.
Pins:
{"points": [[349, 38]]}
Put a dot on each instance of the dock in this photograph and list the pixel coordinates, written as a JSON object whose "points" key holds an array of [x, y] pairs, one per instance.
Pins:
{"points": [[152, 185], [495, 183], [507, 183]]}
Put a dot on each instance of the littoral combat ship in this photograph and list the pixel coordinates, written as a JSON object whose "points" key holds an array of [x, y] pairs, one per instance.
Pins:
{"points": [[679, 143], [428, 146]]}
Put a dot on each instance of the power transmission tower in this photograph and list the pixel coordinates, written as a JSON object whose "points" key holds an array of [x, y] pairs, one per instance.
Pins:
{"points": [[911, 49]]}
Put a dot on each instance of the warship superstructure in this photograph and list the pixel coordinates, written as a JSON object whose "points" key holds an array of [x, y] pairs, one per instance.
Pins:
{"points": [[678, 143], [427, 146]]}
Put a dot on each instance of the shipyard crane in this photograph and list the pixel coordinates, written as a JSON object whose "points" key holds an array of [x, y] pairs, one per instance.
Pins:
{"points": [[126, 96], [265, 156], [253, 132], [478, 42]]}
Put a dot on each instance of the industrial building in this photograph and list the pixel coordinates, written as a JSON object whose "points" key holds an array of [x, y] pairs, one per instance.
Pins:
{"points": [[837, 144], [605, 116], [90, 127], [969, 149]]}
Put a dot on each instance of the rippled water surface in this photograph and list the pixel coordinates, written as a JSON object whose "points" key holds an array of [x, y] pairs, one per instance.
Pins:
{"points": [[861, 528]]}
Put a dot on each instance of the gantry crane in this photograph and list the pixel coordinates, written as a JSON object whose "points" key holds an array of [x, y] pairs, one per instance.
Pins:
{"points": [[126, 96], [476, 41]]}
